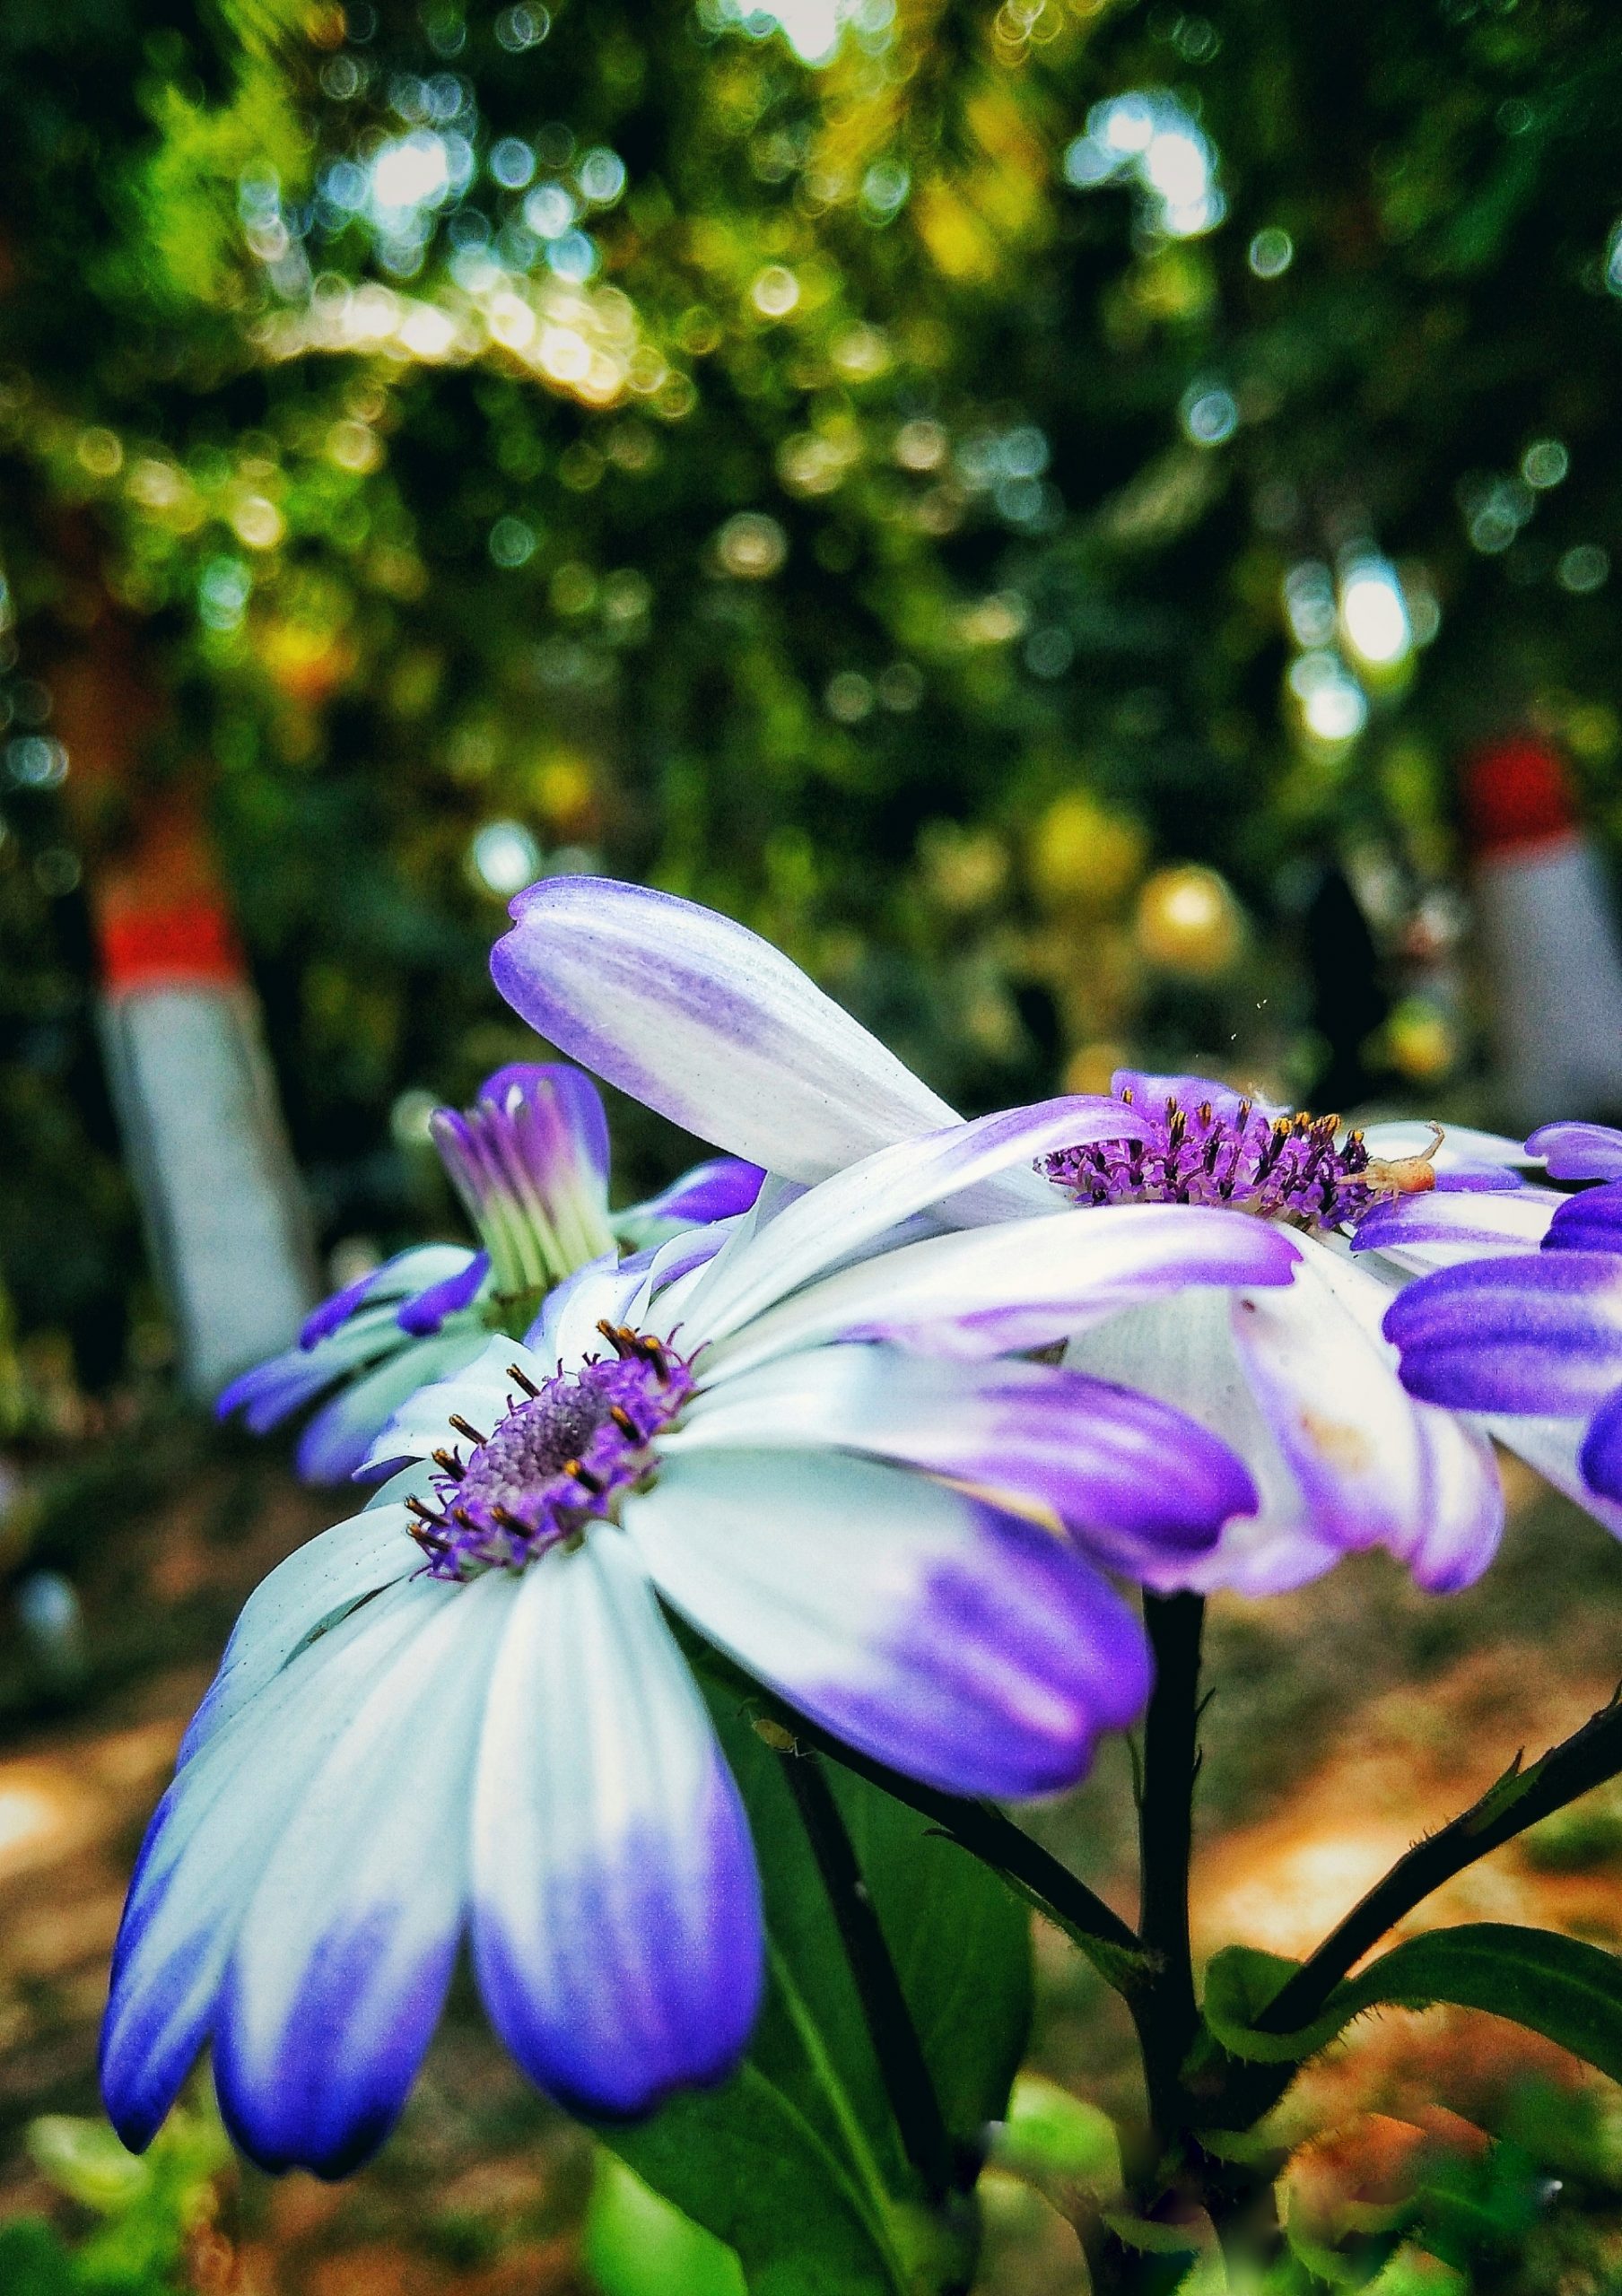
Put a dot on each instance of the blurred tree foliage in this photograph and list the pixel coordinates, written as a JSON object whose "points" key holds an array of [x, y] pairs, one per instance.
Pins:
{"points": [[1021, 503]]}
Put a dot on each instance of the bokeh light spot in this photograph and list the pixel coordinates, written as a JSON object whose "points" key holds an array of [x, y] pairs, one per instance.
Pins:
{"points": [[752, 546], [1271, 253], [1583, 568], [503, 857]]}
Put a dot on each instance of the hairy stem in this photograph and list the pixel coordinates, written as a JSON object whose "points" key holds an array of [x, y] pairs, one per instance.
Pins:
{"points": [[906, 2076], [1166, 2011], [1520, 1797]]}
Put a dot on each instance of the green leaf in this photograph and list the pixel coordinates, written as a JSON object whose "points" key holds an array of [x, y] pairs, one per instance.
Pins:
{"points": [[745, 2161], [1569, 1992], [1049, 2133], [635, 2244], [795, 2161]]}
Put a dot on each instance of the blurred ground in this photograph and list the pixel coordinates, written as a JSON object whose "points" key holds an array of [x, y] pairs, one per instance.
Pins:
{"points": [[1345, 1719]]}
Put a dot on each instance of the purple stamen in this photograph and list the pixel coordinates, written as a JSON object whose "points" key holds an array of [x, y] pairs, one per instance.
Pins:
{"points": [[1207, 1148], [559, 1458]]}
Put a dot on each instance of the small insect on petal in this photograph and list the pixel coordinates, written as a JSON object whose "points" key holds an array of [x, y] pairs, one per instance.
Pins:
{"points": [[1406, 1175]]}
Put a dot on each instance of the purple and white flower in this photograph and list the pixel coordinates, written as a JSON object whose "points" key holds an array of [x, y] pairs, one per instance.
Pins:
{"points": [[1520, 1318], [705, 1022], [463, 1713], [529, 1160]]}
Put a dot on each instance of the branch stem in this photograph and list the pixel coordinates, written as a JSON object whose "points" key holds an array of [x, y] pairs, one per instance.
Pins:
{"points": [[1586, 1759], [1167, 2012], [986, 1833]]}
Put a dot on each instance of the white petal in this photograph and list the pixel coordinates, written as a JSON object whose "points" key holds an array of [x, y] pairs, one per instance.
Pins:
{"points": [[1327, 1384], [1127, 1474], [969, 1647], [1461, 1146], [996, 1291], [337, 1442], [1184, 1352], [566, 1330], [482, 1393], [208, 1845], [1551, 1446], [849, 1210], [346, 1945], [615, 1910], [1445, 1227], [302, 1598]]}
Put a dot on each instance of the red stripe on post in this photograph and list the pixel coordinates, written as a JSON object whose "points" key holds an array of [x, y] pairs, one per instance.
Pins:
{"points": [[184, 941], [1517, 792]]}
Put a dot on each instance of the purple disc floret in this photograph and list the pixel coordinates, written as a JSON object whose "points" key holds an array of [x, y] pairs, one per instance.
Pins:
{"points": [[561, 1455], [1209, 1145]]}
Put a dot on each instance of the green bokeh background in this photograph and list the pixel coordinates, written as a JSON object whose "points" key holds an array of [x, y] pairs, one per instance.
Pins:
{"points": [[887, 542]]}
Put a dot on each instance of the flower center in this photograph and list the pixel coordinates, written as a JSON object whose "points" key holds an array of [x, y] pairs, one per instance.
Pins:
{"points": [[559, 1457], [1208, 1146]]}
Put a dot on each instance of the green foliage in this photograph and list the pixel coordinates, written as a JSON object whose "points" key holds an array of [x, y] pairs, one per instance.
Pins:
{"points": [[1569, 1992], [186, 193], [1573, 1840], [149, 2209], [796, 2163], [1051, 2136]]}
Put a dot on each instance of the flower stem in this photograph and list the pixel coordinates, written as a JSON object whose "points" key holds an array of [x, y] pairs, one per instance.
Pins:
{"points": [[906, 2076], [1166, 2011]]}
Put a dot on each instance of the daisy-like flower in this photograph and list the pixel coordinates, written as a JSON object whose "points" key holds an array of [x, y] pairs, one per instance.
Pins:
{"points": [[1520, 1317], [702, 1019], [464, 1711], [529, 1160]]}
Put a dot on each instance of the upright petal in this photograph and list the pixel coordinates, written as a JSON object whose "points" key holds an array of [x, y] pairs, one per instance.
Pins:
{"points": [[1131, 1476], [616, 1925], [529, 1159], [1005, 1289], [208, 1844], [702, 1019], [346, 1948], [968, 1647], [845, 1214], [1540, 1333]]}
